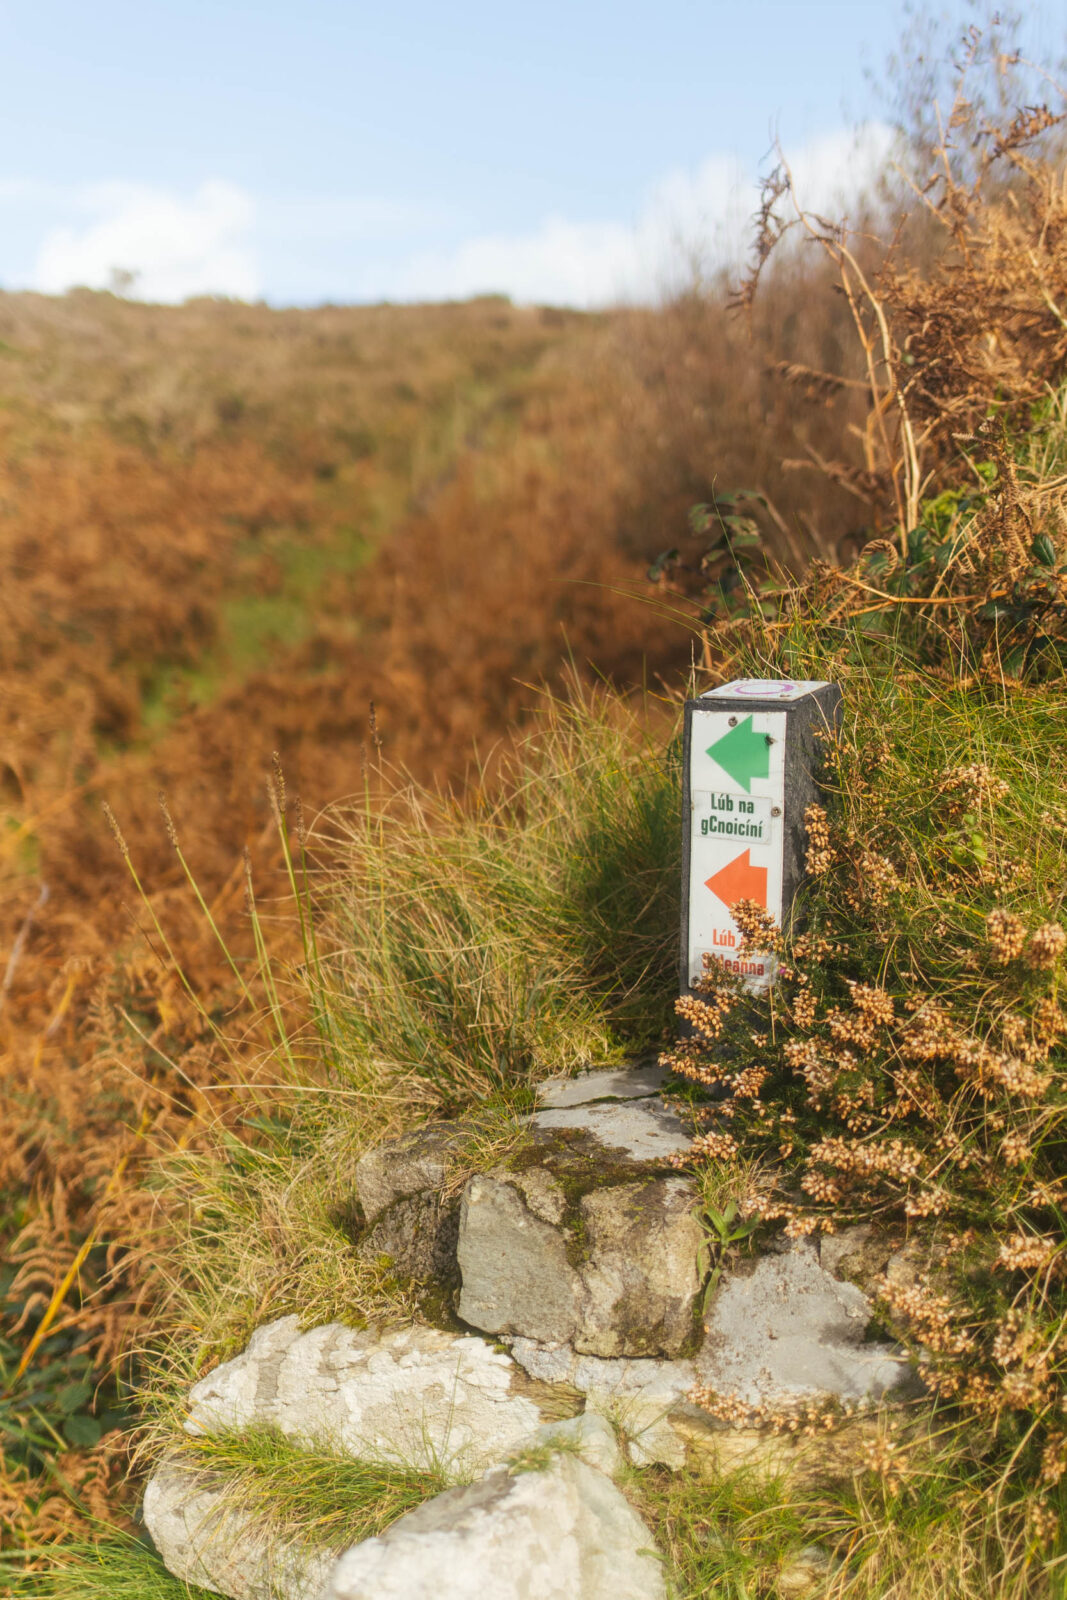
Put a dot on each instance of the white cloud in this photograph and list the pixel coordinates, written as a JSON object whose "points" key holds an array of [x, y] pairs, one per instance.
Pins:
{"points": [[212, 240], [176, 245], [688, 215]]}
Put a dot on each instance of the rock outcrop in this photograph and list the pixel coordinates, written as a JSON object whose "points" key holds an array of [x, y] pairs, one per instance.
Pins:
{"points": [[544, 1520], [582, 1251], [582, 1235], [554, 1253], [782, 1328]]}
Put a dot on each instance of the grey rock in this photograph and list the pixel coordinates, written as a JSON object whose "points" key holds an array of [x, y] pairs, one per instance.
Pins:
{"points": [[782, 1333], [609, 1083], [801, 1575], [563, 1532], [786, 1330], [644, 1130], [205, 1542], [646, 1398], [414, 1163], [588, 1436], [614, 1271], [514, 1268], [644, 1269], [412, 1395], [418, 1234]]}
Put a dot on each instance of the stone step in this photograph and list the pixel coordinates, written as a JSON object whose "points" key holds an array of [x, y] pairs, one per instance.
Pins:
{"points": [[583, 1233], [635, 1082]]}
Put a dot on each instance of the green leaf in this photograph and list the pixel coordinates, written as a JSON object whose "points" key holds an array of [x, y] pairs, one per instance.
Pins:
{"points": [[82, 1430], [73, 1396], [709, 1292], [717, 1220], [661, 562], [742, 533], [736, 495], [1043, 550]]}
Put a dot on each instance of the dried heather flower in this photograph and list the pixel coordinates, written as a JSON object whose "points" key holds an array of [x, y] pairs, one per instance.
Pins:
{"points": [[965, 787], [872, 1003], [1045, 946], [1024, 1252], [1006, 935], [757, 926], [1049, 1023], [819, 856], [883, 1456], [803, 1008], [714, 1146], [805, 1418], [876, 879], [932, 1317], [1015, 1149], [1043, 1524], [1054, 1458]]}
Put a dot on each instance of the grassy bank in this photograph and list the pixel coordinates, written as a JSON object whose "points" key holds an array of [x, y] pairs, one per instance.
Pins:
{"points": [[942, 800]]}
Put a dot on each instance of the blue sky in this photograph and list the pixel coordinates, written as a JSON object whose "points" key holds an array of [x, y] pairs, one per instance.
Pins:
{"points": [[342, 151]]}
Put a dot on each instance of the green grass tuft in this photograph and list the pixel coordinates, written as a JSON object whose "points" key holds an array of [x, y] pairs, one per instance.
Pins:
{"points": [[308, 1492], [118, 1568], [483, 948]]}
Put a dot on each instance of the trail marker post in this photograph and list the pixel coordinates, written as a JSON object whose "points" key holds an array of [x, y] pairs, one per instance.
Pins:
{"points": [[750, 757]]}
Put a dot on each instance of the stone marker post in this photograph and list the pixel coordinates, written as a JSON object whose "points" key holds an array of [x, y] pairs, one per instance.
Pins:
{"points": [[750, 757]]}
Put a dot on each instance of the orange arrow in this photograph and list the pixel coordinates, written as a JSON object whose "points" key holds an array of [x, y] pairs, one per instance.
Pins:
{"points": [[740, 880]]}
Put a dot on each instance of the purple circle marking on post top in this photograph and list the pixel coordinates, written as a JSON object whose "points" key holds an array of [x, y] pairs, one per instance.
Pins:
{"points": [[763, 688]]}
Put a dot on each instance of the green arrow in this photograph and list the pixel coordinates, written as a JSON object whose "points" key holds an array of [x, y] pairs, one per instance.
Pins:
{"points": [[743, 753]]}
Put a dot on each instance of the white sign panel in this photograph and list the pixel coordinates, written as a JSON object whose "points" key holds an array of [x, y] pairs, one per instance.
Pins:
{"points": [[737, 800]]}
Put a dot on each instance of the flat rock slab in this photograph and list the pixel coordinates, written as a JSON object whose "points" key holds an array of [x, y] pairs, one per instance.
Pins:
{"points": [[787, 1330], [644, 1130], [414, 1395], [564, 1533], [607, 1083]]}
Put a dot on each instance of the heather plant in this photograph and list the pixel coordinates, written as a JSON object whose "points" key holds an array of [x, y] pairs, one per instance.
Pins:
{"points": [[907, 1072]]}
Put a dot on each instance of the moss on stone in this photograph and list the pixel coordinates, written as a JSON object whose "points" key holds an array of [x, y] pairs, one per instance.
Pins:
{"points": [[579, 1164]]}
